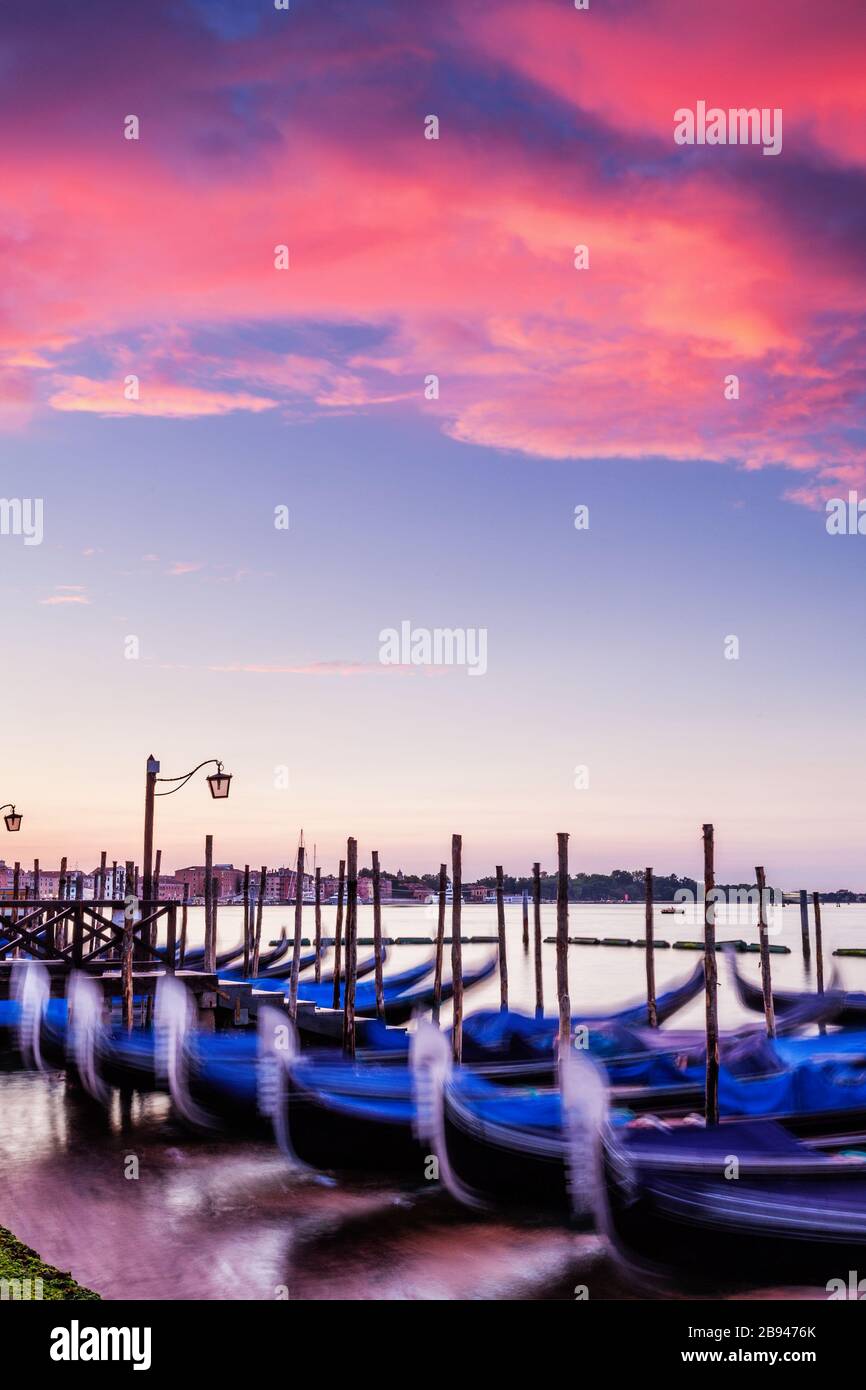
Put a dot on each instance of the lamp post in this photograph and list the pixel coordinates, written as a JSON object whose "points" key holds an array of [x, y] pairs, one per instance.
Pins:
{"points": [[218, 783], [14, 818]]}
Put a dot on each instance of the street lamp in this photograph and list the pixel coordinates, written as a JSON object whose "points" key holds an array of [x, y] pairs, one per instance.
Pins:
{"points": [[14, 818], [218, 782]]}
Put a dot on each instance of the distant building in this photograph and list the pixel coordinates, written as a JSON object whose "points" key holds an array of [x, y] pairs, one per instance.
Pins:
{"points": [[365, 889], [478, 893], [230, 881]]}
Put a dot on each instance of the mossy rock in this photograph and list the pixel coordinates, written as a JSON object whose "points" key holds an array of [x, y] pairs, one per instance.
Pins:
{"points": [[19, 1262]]}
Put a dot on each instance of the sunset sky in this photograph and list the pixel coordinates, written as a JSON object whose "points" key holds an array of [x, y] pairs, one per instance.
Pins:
{"points": [[559, 387]]}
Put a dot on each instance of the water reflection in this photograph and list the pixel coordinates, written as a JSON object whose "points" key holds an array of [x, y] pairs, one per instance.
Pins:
{"points": [[217, 1218]]}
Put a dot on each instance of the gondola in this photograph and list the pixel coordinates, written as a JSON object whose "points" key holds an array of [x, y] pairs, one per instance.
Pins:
{"points": [[215, 1075], [324, 1025], [274, 977], [847, 1008], [282, 973], [515, 1036], [671, 1201], [497, 1145]]}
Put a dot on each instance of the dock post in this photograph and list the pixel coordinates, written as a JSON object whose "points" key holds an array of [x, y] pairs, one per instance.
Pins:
{"points": [[154, 898], [819, 942], [257, 942], [183, 913], [500, 926], [318, 924], [804, 925], [711, 983], [562, 940], [127, 948], [338, 931], [764, 943], [651, 1010], [351, 946], [214, 901], [51, 937], [171, 940], [62, 932], [299, 931], [78, 936], [247, 932], [457, 945], [16, 885], [377, 938], [103, 859], [209, 960], [440, 944], [536, 912], [525, 920]]}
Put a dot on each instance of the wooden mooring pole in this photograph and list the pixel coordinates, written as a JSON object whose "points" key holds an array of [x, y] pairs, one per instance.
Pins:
{"points": [[209, 962], [525, 920], [184, 909], [651, 1010], [711, 1104], [338, 931], [126, 956], [764, 944], [819, 942], [154, 926], [804, 925], [536, 912], [503, 955], [351, 946], [214, 930], [299, 931], [318, 923], [247, 932], [16, 886], [456, 945], [440, 944], [62, 894], [260, 902], [377, 938], [562, 940]]}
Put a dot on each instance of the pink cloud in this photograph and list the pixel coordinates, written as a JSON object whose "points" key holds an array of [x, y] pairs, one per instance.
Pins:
{"points": [[459, 254], [184, 567], [157, 398]]}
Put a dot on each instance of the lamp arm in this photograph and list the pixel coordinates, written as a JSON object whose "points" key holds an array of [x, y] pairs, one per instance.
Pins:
{"points": [[184, 778]]}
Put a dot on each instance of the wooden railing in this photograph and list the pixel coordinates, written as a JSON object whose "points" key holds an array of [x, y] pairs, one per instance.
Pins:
{"points": [[85, 933]]}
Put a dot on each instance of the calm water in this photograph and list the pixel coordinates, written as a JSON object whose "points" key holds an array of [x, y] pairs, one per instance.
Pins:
{"points": [[218, 1219]]}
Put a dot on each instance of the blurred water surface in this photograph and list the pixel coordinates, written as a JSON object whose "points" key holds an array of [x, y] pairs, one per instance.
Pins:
{"points": [[221, 1218]]}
